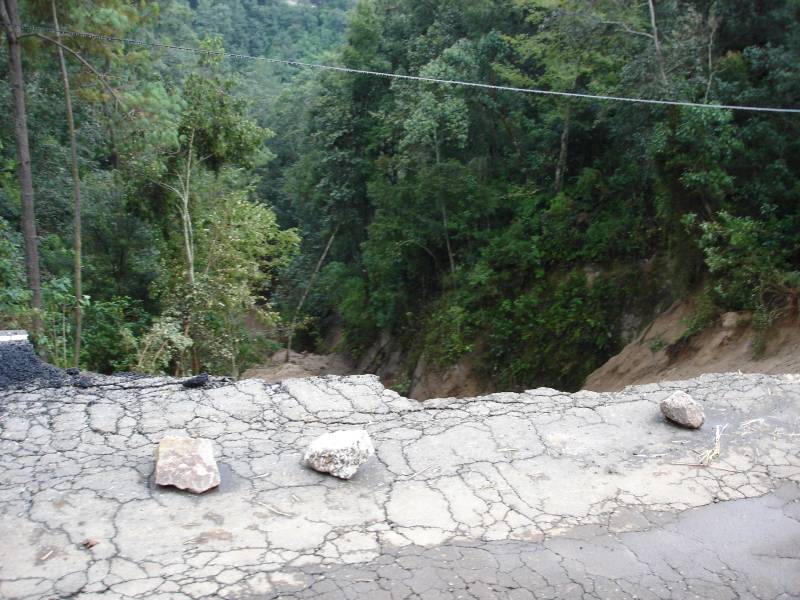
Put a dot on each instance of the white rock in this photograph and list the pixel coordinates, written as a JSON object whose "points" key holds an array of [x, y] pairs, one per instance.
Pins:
{"points": [[682, 409], [339, 453], [186, 463]]}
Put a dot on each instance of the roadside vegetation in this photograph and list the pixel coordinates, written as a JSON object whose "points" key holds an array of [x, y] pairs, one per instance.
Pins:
{"points": [[531, 231]]}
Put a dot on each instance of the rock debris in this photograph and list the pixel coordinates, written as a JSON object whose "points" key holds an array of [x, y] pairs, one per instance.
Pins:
{"points": [[187, 464], [339, 453], [679, 407]]}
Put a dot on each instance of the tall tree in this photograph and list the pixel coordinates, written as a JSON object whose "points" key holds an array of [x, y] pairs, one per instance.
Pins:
{"points": [[10, 19], [73, 11], [214, 132], [76, 190]]}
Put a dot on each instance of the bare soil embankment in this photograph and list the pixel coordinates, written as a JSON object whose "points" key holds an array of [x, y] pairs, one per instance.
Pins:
{"points": [[662, 352], [299, 366]]}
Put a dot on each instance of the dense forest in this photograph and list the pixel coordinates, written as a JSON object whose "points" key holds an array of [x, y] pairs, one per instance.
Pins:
{"points": [[534, 234]]}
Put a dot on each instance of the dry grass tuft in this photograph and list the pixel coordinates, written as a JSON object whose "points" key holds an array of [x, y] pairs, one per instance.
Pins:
{"points": [[712, 454]]}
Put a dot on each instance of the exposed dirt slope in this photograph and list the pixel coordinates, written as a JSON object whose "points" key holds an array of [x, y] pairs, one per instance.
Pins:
{"points": [[300, 365], [388, 358], [659, 353]]}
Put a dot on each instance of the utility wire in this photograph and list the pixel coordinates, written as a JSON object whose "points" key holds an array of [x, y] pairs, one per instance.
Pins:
{"points": [[454, 82]]}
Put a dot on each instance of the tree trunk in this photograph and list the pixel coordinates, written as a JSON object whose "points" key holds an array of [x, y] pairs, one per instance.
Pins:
{"points": [[188, 239], [659, 56], [713, 25], [76, 191], [311, 280], [443, 209], [8, 12], [561, 167], [446, 227], [186, 216]]}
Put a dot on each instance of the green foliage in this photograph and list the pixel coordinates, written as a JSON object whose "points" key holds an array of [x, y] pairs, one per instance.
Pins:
{"points": [[139, 313], [695, 150], [525, 226], [657, 345], [402, 386], [216, 118], [58, 301], [238, 245], [342, 289], [111, 334], [13, 290], [531, 226], [705, 312], [751, 269], [163, 343], [556, 333], [449, 333], [748, 261]]}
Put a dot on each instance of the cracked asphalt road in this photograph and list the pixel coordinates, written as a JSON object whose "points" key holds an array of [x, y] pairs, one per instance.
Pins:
{"points": [[534, 495]]}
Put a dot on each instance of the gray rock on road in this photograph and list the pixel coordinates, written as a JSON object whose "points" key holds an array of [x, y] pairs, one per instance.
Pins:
{"points": [[187, 464], [679, 407], [339, 453]]}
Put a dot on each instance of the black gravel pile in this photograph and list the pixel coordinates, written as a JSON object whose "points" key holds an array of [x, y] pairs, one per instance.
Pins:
{"points": [[19, 365], [197, 381]]}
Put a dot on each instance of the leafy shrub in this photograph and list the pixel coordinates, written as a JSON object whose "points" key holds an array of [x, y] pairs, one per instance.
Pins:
{"points": [[110, 329], [449, 333], [738, 259], [14, 295], [402, 385], [555, 333], [749, 261], [341, 290], [705, 311], [163, 343], [58, 308], [237, 245]]}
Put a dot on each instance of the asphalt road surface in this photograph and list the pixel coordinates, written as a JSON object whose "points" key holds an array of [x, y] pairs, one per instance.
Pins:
{"points": [[533, 495]]}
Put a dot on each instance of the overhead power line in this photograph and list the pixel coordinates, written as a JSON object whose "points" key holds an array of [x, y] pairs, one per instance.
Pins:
{"points": [[452, 82]]}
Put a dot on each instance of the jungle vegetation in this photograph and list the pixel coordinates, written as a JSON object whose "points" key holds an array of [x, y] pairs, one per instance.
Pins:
{"points": [[531, 231]]}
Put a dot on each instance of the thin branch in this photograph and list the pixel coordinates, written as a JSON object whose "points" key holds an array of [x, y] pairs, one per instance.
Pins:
{"points": [[420, 245], [84, 62], [713, 26], [168, 187], [305, 292], [627, 29], [656, 43]]}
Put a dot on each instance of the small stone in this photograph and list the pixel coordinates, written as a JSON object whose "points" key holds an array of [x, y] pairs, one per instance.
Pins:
{"points": [[186, 463], [197, 381], [339, 453], [83, 382], [682, 409]]}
